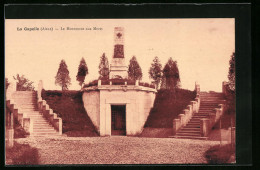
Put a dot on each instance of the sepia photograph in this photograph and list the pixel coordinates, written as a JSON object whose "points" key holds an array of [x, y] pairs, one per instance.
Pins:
{"points": [[120, 91]]}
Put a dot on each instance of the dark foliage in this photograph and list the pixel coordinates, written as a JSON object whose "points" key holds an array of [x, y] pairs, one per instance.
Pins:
{"points": [[62, 78], [69, 106], [171, 77], [22, 154], [103, 68], [82, 71], [219, 154], [19, 131], [23, 84], [134, 70], [165, 110], [232, 73], [155, 71]]}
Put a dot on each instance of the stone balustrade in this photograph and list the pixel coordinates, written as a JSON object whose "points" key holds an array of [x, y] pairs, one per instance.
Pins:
{"points": [[23, 119], [204, 127], [207, 124], [46, 111], [187, 113], [125, 82]]}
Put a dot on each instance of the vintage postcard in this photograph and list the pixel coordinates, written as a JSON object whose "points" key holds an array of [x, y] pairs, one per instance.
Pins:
{"points": [[120, 91]]}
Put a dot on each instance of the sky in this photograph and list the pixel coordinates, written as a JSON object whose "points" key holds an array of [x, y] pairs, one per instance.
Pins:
{"points": [[201, 47]]}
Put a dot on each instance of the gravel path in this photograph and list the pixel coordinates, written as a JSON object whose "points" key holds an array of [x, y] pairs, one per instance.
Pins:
{"points": [[119, 150]]}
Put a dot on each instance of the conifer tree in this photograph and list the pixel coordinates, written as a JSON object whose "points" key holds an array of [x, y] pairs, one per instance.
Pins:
{"points": [[82, 71], [103, 68], [62, 78], [155, 71], [134, 70], [231, 73], [171, 76]]}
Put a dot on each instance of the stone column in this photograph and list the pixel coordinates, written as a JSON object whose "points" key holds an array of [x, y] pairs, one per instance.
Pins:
{"points": [[224, 87], [10, 130], [193, 103], [189, 107], [186, 115], [182, 121], [204, 127], [99, 82], [10, 90], [137, 82], [176, 125], [197, 88]]}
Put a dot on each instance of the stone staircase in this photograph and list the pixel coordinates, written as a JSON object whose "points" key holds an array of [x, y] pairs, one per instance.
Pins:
{"points": [[26, 102], [208, 102]]}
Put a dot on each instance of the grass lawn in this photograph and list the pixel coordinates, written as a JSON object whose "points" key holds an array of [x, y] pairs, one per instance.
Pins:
{"points": [[166, 108], [69, 106]]}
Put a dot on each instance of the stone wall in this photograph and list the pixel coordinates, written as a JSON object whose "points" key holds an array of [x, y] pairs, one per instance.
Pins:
{"points": [[91, 102], [138, 100]]}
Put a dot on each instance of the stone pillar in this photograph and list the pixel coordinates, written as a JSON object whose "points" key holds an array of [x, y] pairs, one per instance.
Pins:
{"points": [[186, 114], [28, 125], [189, 107], [204, 127], [10, 129], [198, 104], [194, 108], [182, 121], [10, 90], [137, 82], [224, 87], [99, 82], [218, 113], [197, 88], [176, 125], [39, 91]]}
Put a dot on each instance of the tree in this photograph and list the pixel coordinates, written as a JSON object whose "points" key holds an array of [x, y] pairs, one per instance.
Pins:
{"points": [[134, 70], [103, 68], [62, 78], [82, 71], [171, 76], [23, 84], [155, 71], [6, 83], [231, 73]]}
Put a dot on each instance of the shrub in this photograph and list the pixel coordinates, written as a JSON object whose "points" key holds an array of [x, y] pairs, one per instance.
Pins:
{"points": [[22, 154], [19, 131], [219, 154]]}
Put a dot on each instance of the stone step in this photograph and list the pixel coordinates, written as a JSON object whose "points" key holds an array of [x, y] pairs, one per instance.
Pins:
{"points": [[44, 130], [189, 137], [45, 134], [199, 117], [206, 109], [188, 134], [192, 126], [209, 106], [189, 130]]}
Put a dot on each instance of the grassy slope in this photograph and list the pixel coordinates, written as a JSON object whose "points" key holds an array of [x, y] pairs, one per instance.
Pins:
{"points": [[69, 106], [22, 154], [166, 109]]}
